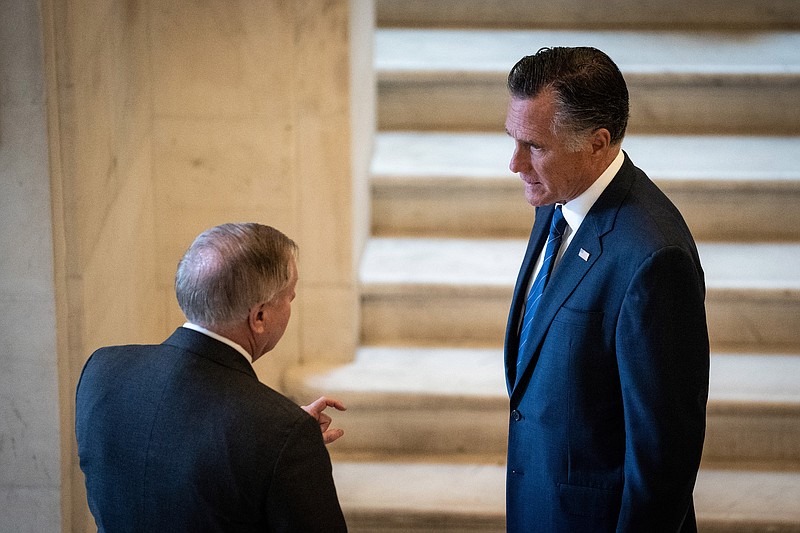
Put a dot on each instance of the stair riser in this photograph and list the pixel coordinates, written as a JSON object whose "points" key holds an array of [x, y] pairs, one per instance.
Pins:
{"points": [[752, 437], [725, 501], [738, 320], [738, 525], [745, 321], [745, 436], [405, 522], [399, 522], [737, 215], [492, 210], [715, 107], [421, 318], [582, 14], [498, 209], [429, 430]]}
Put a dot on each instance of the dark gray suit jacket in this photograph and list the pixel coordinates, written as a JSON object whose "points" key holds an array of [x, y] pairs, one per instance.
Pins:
{"points": [[608, 419], [183, 437]]}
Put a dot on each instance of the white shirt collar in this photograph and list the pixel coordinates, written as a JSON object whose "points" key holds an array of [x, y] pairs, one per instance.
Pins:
{"points": [[575, 210], [220, 338]]}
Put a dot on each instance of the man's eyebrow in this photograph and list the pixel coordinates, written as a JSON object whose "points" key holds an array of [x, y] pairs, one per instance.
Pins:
{"points": [[520, 139]]}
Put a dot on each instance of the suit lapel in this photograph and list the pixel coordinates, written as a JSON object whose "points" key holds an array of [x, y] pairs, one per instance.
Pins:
{"points": [[563, 281], [574, 265], [535, 244]]}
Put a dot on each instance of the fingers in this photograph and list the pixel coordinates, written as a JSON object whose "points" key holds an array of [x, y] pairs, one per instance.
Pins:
{"points": [[323, 402], [324, 422], [336, 404], [331, 435], [316, 409]]}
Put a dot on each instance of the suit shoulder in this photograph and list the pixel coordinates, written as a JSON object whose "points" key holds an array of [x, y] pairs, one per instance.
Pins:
{"points": [[265, 402], [240, 395], [649, 218], [129, 358]]}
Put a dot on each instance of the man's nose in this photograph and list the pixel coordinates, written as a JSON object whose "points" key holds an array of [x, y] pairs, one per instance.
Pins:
{"points": [[518, 163]]}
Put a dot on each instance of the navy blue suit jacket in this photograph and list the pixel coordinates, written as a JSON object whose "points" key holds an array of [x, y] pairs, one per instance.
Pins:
{"points": [[608, 420], [183, 437]]}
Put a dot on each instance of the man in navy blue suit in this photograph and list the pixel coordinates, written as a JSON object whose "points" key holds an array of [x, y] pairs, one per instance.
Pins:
{"points": [[182, 436], [606, 347]]}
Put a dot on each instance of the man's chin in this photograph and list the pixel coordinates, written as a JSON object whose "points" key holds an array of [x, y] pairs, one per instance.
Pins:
{"points": [[537, 200], [535, 195]]}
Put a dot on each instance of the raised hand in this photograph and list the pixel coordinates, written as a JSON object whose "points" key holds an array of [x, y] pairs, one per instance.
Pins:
{"points": [[316, 409]]}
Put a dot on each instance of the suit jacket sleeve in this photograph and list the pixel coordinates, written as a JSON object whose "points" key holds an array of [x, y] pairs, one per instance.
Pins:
{"points": [[302, 497], [662, 342]]}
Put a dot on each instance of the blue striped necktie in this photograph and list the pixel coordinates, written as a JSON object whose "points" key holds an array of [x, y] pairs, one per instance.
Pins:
{"points": [[557, 226]]}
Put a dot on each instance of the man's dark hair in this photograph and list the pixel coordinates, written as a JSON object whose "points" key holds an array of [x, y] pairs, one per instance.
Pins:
{"points": [[589, 89]]}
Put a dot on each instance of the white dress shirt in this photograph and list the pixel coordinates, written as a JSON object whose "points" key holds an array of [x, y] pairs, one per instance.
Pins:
{"points": [[575, 212]]}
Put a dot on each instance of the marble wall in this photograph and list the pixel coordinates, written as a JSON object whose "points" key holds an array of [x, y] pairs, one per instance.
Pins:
{"points": [[30, 472], [126, 128], [251, 121], [100, 112]]}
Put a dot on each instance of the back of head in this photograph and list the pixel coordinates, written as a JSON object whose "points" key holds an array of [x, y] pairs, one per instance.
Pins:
{"points": [[588, 87], [228, 269]]}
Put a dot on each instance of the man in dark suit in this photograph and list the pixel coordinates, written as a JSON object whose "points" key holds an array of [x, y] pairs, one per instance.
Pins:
{"points": [[182, 436], [606, 348]]}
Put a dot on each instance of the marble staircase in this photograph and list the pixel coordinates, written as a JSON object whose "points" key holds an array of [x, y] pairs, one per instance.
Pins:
{"points": [[715, 122]]}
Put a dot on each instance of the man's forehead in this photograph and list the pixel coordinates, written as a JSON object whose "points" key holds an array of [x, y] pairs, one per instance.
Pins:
{"points": [[528, 119]]}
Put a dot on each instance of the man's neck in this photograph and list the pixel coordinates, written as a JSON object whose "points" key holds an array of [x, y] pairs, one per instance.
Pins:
{"points": [[223, 336]]}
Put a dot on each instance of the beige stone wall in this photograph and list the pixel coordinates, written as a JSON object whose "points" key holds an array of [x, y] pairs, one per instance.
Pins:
{"points": [[100, 113], [30, 474], [251, 121], [167, 117]]}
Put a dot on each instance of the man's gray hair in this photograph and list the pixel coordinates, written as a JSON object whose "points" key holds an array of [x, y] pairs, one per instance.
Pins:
{"points": [[229, 268]]}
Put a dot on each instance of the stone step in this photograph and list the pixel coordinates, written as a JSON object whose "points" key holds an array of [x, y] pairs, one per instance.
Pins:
{"points": [[456, 292], [453, 402], [680, 81], [443, 496], [720, 14], [459, 185]]}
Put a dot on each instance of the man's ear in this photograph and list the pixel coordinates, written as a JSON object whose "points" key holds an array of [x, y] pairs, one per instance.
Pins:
{"points": [[600, 141], [258, 318]]}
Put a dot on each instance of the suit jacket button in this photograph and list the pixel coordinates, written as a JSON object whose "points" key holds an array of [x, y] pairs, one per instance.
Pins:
{"points": [[516, 415]]}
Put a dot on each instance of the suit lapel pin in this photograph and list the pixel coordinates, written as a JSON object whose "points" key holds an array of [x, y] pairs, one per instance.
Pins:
{"points": [[583, 254]]}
